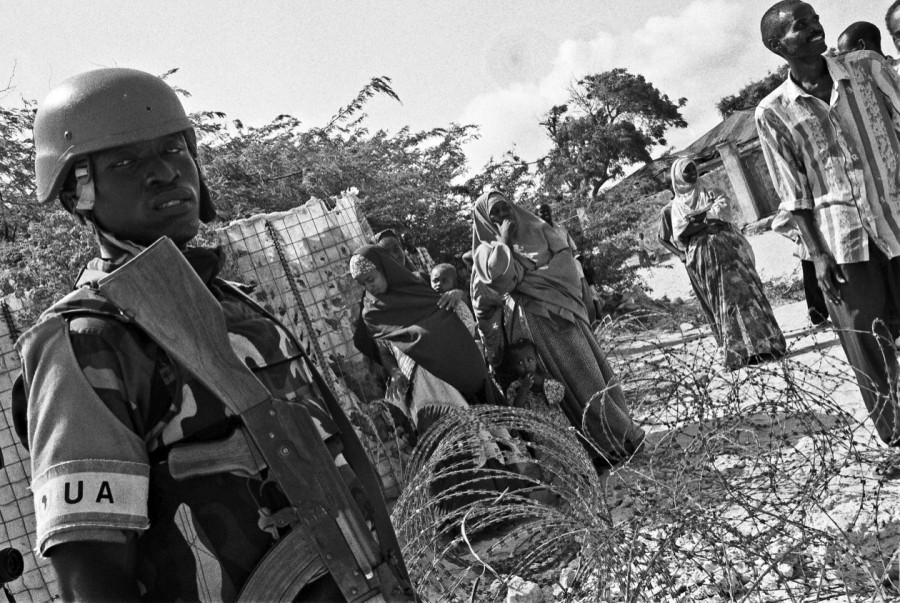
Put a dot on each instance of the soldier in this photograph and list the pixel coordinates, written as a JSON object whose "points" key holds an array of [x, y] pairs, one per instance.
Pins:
{"points": [[108, 409]]}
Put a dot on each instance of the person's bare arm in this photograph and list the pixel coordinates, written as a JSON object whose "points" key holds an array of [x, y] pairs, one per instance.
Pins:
{"points": [[449, 299], [96, 571], [397, 382], [522, 393], [671, 247], [828, 272]]}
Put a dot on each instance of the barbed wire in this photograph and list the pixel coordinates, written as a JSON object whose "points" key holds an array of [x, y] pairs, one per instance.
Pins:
{"points": [[754, 485]]}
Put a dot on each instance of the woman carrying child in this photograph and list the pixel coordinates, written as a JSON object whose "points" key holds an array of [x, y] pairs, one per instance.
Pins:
{"points": [[425, 348], [433, 361], [519, 256]]}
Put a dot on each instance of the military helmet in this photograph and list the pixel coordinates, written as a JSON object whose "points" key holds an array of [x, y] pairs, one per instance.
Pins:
{"points": [[103, 109]]}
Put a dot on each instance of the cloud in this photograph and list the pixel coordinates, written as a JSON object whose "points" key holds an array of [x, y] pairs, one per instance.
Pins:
{"points": [[706, 51]]}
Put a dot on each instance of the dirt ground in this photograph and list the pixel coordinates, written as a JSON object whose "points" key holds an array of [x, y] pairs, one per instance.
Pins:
{"points": [[774, 260], [755, 485], [851, 501]]}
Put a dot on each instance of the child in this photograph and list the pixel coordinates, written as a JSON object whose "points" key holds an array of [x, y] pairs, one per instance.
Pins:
{"points": [[533, 390], [443, 280]]}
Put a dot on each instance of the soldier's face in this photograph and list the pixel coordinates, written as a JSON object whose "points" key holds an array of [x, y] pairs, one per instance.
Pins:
{"points": [[147, 190]]}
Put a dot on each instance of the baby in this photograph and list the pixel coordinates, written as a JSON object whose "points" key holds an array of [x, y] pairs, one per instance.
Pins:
{"points": [[443, 280], [533, 390]]}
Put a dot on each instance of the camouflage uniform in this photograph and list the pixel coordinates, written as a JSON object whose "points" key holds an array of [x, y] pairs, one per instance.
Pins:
{"points": [[105, 406]]}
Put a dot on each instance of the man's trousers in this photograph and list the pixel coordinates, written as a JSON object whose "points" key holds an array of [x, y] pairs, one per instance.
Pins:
{"points": [[871, 293]]}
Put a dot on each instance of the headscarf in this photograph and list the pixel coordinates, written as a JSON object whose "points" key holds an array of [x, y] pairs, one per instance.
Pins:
{"points": [[387, 232], [540, 265], [685, 191], [360, 266], [408, 317], [692, 199]]}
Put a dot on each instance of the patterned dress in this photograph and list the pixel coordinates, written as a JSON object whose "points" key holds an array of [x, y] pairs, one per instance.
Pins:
{"points": [[546, 400], [722, 262]]}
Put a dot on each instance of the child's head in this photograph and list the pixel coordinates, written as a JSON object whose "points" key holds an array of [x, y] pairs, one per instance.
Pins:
{"points": [[443, 278], [523, 358], [368, 275]]}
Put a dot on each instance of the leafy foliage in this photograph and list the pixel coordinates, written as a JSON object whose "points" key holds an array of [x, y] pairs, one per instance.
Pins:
{"points": [[612, 120], [753, 485], [511, 175], [404, 179], [750, 95], [408, 180]]}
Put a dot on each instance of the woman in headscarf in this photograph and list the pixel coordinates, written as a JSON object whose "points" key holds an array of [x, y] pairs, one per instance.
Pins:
{"points": [[721, 262], [434, 364], [519, 256], [426, 349]]}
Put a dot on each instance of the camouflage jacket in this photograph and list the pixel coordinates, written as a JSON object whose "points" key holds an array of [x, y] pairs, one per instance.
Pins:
{"points": [[105, 405]]}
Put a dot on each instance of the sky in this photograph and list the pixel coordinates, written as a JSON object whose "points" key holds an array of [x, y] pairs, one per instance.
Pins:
{"points": [[498, 64]]}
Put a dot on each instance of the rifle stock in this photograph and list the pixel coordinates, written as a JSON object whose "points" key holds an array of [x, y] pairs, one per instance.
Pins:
{"points": [[187, 322]]}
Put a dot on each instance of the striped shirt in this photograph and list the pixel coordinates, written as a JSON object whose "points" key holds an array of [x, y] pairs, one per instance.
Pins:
{"points": [[840, 160]]}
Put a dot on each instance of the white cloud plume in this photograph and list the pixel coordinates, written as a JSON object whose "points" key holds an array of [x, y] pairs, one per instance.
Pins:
{"points": [[709, 49]]}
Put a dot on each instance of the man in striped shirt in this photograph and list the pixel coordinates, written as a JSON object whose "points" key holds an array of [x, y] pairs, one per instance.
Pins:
{"points": [[829, 134]]}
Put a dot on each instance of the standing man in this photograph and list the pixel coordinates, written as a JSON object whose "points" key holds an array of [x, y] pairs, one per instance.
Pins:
{"points": [[417, 254], [829, 137], [106, 411]]}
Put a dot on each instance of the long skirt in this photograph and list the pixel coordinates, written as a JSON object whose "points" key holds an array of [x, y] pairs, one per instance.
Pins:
{"points": [[722, 264], [594, 402]]}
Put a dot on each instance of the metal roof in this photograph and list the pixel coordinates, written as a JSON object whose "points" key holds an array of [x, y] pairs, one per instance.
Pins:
{"points": [[739, 128]]}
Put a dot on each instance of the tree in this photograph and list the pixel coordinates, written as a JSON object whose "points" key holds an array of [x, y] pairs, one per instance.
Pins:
{"points": [[404, 179], [511, 175], [750, 95], [612, 119], [405, 182]]}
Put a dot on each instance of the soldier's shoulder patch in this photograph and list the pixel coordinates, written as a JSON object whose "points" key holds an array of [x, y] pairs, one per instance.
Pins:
{"points": [[90, 494]]}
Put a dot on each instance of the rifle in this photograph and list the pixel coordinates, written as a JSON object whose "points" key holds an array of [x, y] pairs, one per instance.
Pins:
{"points": [[187, 322]]}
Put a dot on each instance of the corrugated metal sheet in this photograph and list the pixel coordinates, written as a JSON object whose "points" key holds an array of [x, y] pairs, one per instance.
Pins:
{"points": [[738, 128]]}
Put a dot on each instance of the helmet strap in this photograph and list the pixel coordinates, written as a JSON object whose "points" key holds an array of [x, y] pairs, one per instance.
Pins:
{"points": [[84, 208], [85, 186], [110, 245]]}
